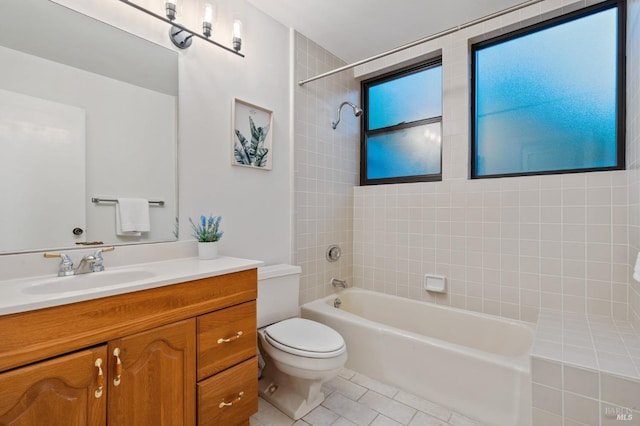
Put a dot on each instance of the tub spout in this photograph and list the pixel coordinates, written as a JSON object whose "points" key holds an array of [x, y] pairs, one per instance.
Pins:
{"points": [[339, 283]]}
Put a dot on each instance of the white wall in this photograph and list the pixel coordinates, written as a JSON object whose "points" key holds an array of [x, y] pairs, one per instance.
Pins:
{"points": [[254, 203], [40, 139], [124, 123]]}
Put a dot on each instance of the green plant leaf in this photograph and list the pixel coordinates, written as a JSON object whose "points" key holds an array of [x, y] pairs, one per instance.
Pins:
{"points": [[242, 151], [240, 154], [264, 131], [255, 140], [262, 156]]}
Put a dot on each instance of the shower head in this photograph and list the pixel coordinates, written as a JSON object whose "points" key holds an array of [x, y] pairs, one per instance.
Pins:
{"points": [[357, 111]]}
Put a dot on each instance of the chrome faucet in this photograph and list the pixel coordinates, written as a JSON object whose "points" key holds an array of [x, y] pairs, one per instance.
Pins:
{"points": [[93, 260], [66, 264], [339, 283], [97, 265], [89, 259]]}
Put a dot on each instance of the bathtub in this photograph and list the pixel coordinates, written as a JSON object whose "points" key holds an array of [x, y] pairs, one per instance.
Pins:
{"points": [[472, 363]]}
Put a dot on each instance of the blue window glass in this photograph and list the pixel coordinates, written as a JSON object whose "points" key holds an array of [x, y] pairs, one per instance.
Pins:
{"points": [[402, 136], [546, 100], [410, 98], [412, 151]]}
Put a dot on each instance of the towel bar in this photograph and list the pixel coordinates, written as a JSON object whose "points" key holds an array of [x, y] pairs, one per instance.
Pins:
{"points": [[113, 200]]}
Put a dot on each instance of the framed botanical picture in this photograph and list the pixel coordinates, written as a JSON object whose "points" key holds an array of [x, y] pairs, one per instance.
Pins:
{"points": [[251, 139]]}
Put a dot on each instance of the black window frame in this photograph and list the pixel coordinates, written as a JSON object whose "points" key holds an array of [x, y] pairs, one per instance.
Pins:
{"points": [[621, 86], [364, 132]]}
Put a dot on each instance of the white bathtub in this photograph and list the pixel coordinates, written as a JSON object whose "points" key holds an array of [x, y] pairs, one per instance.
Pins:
{"points": [[472, 363]]}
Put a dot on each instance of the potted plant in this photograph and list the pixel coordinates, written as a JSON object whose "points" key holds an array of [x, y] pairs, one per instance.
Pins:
{"points": [[207, 232]]}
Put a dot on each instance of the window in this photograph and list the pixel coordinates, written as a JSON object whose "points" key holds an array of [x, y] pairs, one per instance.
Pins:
{"points": [[402, 126], [550, 98]]}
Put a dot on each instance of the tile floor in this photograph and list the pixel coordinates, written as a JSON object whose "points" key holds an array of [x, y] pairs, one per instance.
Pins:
{"points": [[354, 399]]}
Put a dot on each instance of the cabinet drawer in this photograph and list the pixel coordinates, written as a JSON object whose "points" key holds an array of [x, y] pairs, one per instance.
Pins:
{"points": [[231, 397], [225, 338]]}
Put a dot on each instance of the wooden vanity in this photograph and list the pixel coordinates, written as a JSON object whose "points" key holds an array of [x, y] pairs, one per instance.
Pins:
{"points": [[180, 354]]}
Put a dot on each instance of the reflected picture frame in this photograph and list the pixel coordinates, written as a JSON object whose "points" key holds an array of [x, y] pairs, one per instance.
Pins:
{"points": [[251, 138]]}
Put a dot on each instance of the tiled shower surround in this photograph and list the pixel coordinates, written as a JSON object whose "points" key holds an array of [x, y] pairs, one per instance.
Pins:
{"points": [[508, 247], [326, 165], [633, 146]]}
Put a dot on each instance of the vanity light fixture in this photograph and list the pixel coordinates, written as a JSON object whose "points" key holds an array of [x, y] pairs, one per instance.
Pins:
{"points": [[182, 36], [207, 20], [237, 35]]}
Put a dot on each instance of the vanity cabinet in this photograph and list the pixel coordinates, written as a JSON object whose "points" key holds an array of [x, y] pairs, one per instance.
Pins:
{"points": [[151, 377], [61, 391], [227, 365], [182, 354]]}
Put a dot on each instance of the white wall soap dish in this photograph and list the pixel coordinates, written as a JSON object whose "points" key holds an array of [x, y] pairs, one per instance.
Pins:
{"points": [[435, 283]]}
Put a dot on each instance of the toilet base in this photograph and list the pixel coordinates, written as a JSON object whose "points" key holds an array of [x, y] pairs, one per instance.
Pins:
{"points": [[293, 396]]}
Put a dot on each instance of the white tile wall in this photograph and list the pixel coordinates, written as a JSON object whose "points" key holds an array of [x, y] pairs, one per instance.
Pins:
{"points": [[326, 164], [509, 246], [585, 370], [633, 144]]}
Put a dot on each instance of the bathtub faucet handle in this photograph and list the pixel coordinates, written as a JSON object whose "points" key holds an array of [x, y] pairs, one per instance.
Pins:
{"points": [[339, 283]]}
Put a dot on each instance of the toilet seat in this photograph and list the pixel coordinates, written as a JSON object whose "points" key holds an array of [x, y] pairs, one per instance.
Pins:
{"points": [[302, 337]]}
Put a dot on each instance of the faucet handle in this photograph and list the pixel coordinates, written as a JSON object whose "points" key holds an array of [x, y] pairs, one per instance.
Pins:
{"points": [[66, 264], [96, 265], [339, 283]]}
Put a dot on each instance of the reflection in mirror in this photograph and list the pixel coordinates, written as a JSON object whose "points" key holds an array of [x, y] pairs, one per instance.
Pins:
{"points": [[86, 110]]}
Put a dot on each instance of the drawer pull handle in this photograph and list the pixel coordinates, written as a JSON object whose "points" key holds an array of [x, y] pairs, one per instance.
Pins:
{"points": [[116, 380], [229, 404], [98, 392], [230, 339]]}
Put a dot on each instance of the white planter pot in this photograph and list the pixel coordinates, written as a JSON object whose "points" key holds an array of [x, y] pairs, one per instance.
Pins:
{"points": [[207, 251]]}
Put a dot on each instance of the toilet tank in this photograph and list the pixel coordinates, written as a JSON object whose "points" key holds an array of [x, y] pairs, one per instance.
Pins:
{"points": [[278, 291]]}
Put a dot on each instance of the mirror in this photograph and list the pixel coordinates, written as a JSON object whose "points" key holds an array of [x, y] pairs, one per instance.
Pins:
{"points": [[86, 111]]}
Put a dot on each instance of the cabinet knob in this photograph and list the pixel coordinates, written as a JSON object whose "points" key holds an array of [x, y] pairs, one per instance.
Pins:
{"points": [[235, 401], [116, 380], [230, 339], [100, 379]]}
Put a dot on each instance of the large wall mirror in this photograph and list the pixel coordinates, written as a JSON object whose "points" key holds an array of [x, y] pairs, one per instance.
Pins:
{"points": [[86, 111]]}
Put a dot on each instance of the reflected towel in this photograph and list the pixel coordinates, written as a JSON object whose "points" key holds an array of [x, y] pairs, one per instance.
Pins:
{"points": [[132, 216]]}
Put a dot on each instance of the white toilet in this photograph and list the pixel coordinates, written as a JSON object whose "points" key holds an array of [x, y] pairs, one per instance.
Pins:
{"points": [[299, 354]]}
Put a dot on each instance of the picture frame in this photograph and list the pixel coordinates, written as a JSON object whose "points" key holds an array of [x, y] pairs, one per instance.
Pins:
{"points": [[251, 138]]}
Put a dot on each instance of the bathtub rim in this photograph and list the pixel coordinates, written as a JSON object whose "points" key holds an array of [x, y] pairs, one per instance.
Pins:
{"points": [[521, 362]]}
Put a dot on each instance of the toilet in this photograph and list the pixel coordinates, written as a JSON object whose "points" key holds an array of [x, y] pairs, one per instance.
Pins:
{"points": [[299, 354]]}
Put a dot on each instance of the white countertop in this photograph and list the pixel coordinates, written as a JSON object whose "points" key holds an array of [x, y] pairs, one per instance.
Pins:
{"points": [[15, 294]]}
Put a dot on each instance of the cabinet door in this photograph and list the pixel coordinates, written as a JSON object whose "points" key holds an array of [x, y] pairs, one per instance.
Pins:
{"points": [[63, 391], [152, 377]]}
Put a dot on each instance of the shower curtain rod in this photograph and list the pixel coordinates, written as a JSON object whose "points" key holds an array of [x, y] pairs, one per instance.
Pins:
{"points": [[420, 41]]}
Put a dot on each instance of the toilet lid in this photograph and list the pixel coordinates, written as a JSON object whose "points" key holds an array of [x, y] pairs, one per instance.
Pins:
{"points": [[304, 337]]}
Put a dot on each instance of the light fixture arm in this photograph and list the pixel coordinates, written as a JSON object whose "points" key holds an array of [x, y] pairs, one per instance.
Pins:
{"points": [[179, 28], [179, 38]]}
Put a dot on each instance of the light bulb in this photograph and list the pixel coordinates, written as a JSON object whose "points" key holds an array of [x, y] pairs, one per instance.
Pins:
{"points": [[171, 8], [208, 13], [207, 20], [237, 35]]}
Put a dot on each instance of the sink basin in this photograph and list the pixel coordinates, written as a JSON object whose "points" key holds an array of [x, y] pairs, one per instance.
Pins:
{"points": [[87, 281]]}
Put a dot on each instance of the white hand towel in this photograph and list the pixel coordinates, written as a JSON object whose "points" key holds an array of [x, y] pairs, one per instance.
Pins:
{"points": [[132, 216]]}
